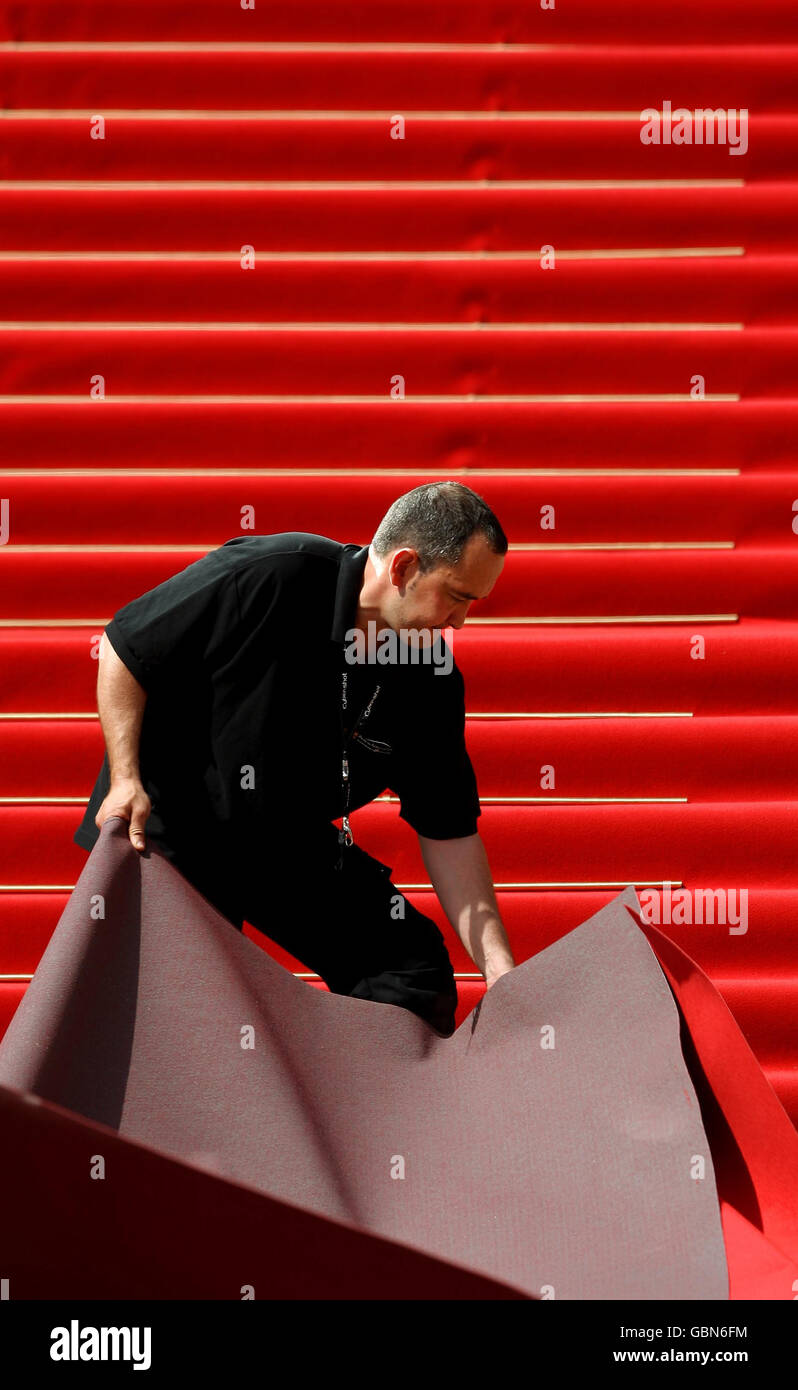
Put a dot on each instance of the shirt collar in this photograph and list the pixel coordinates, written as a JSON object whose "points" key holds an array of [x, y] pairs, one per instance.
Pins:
{"points": [[350, 579]]}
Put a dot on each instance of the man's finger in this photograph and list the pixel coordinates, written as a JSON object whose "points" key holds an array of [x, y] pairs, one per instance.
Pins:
{"points": [[137, 836]]}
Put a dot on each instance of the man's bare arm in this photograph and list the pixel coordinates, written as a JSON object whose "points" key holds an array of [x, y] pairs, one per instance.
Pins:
{"points": [[120, 704], [460, 874]]}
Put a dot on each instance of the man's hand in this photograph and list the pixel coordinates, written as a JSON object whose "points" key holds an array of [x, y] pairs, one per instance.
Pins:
{"points": [[128, 799], [492, 976]]}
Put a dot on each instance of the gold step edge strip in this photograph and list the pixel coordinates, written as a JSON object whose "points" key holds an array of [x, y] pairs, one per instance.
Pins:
{"points": [[476, 714], [311, 114], [355, 185], [623, 545], [616, 618], [564, 714], [90, 47], [211, 46], [468, 975], [494, 622], [573, 254], [461, 398], [351, 474], [366, 46], [376, 800], [562, 800], [587, 885], [366, 326], [204, 547]]}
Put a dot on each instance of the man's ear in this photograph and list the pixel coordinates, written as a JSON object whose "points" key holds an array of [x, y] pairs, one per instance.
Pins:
{"points": [[401, 567]]}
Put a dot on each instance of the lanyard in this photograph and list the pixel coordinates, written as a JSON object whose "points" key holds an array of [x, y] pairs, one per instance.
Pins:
{"points": [[345, 836]]}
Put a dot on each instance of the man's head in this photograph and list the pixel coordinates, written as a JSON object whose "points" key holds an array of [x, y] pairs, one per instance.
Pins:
{"points": [[438, 549]]}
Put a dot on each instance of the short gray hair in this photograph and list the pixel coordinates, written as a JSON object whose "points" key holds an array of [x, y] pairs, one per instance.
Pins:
{"points": [[437, 520]]}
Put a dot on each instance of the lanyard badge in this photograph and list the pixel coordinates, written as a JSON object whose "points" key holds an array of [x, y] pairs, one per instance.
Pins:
{"points": [[345, 836]]}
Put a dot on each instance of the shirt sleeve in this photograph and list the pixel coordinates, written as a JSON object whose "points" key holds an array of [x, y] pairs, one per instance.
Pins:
{"points": [[436, 783], [179, 626]]}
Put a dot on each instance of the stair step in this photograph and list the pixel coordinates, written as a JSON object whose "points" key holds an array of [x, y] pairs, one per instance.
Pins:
{"points": [[361, 21], [555, 584], [115, 509], [757, 290], [702, 759], [359, 147], [736, 844], [363, 361], [497, 80], [766, 950], [451, 438], [748, 669], [75, 216]]}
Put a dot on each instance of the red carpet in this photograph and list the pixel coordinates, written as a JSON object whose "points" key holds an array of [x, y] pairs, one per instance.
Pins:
{"points": [[156, 398]]}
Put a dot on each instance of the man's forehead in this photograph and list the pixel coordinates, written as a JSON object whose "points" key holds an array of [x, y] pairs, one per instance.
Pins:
{"points": [[476, 558]]}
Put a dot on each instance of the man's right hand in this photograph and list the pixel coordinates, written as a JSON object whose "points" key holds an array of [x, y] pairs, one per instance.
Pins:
{"points": [[128, 799]]}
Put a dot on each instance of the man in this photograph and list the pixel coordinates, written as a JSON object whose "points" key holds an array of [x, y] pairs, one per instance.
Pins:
{"points": [[239, 722]]}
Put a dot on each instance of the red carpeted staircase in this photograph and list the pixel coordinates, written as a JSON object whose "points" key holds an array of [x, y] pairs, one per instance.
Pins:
{"points": [[216, 259]]}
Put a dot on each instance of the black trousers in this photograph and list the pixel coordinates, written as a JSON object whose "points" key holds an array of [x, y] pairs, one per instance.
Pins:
{"points": [[350, 926]]}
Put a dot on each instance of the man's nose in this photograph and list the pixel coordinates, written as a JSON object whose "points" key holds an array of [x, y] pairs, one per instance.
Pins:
{"points": [[457, 622]]}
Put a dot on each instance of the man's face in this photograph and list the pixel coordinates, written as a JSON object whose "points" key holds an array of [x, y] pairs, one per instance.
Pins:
{"points": [[442, 597]]}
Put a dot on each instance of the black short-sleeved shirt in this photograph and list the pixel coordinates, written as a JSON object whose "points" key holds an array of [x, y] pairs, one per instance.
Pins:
{"points": [[241, 656]]}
